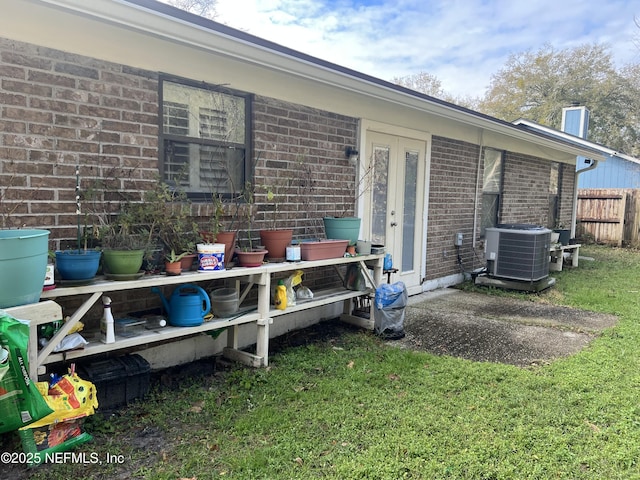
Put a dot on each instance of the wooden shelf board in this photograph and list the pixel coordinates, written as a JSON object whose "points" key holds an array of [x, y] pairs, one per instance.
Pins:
{"points": [[96, 347]]}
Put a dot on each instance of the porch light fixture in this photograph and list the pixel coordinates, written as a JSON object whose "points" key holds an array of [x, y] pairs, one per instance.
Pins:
{"points": [[351, 153]]}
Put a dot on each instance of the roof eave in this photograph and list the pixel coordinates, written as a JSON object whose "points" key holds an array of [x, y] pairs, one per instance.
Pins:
{"points": [[161, 20]]}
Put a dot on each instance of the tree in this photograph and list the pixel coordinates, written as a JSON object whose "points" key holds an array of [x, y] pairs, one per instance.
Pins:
{"points": [[431, 85], [422, 82], [203, 8], [537, 85]]}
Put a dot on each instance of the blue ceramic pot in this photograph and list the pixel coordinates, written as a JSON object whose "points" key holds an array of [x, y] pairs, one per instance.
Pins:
{"points": [[77, 264]]}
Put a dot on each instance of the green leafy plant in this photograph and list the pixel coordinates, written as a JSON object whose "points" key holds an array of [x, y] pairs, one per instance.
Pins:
{"points": [[172, 257], [248, 199], [168, 217], [276, 195]]}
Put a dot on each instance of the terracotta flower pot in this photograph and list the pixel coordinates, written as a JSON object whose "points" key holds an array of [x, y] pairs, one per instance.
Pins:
{"points": [[187, 262], [253, 258], [323, 249], [173, 268], [228, 238], [276, 241]]}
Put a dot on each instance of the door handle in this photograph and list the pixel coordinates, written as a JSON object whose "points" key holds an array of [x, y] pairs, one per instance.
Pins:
{"points": [[394, 224]]}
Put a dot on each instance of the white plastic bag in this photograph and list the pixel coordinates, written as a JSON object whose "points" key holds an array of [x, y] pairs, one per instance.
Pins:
{"points": [[71, 342], [304, 293]]}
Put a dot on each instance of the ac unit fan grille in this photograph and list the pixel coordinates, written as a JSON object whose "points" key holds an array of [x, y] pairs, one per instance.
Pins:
{"points": [[523, 256]]}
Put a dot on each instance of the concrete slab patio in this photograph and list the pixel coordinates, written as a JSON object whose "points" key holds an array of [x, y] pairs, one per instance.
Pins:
{"points": [[492, 328]]}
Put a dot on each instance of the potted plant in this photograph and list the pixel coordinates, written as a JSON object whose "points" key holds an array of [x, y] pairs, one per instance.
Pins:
{"points": [[168, 218], [180, 237], [213, 231], [343, 227], [564, 234], [276, 240], [79, 264], [123, 245], [173, 263], [248, 256]]}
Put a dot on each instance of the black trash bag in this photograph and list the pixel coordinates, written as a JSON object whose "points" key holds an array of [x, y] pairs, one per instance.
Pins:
{"points": [[388, 314]]}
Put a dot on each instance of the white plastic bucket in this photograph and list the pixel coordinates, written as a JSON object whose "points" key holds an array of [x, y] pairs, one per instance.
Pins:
{"points": [[210, 257]]}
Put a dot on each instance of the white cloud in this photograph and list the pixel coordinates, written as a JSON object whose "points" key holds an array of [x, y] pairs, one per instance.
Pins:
{"points": [[462, 42]]}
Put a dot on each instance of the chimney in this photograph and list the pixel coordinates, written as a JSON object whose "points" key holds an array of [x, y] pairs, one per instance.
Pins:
{"points": [[575, 120]]}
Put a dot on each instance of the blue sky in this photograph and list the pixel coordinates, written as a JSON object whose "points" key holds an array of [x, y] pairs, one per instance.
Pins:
{"points": [[462, 42]]}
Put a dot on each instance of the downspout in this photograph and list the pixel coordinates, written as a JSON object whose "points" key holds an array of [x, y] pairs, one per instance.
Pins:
{"points": [[574, 213], [475, 209]]}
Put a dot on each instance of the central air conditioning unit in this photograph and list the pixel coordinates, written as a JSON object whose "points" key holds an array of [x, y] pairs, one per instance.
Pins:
{"points": [[517, 252]]}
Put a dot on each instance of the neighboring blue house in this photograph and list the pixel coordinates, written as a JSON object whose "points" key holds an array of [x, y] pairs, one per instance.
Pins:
{"points": [[614, 171], [617, 171]]}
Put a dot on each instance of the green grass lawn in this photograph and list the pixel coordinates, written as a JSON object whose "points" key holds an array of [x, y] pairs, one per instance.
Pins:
{"points": [[355, 408]]}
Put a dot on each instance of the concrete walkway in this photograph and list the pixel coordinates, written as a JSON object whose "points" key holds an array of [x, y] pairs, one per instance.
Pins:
{"points": [[490, 328]]}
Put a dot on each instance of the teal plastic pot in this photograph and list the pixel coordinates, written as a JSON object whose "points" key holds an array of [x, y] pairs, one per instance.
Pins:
{"points": [[23, 266], [342, 228]]}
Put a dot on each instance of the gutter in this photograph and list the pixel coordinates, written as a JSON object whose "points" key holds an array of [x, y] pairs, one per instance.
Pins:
{"points": [[173, 25]]}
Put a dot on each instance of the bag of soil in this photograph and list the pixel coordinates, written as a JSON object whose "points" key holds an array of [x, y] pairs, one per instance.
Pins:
{"points": [[20, 401]]}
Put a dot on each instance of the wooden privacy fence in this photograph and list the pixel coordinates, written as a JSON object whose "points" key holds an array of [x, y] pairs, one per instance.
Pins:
{"points": [[609, 215]]}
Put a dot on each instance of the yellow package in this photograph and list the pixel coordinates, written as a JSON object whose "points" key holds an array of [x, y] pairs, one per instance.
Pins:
{"points": [[70, 398]]}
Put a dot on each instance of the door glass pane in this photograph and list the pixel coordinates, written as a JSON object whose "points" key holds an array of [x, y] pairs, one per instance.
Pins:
{"points": [[409, 211], [379, 207]]}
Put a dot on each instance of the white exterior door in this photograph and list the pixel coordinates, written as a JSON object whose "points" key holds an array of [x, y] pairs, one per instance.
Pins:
{"points": [[396, 207]]}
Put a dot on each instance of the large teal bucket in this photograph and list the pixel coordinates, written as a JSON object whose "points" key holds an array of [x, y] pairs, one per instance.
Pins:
{"points": [[342, 228], [23, 266]]}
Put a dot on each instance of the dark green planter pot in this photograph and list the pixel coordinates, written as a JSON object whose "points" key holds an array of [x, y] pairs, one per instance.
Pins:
{"points": [[565, 235], [122, 262]]}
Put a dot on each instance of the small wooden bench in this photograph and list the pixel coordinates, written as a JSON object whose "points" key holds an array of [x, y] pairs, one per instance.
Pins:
{"points": [[557, 252]]}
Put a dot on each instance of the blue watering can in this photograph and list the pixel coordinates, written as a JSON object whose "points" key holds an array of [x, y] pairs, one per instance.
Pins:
{"points": [[188, 305]]}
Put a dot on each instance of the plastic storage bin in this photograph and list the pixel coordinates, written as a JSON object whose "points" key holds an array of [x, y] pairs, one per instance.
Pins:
{"points": [[118, 380], [224, 302], [129, 327]]}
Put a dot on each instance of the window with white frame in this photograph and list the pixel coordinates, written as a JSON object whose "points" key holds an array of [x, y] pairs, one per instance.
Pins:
{"points": [[491, 188], [205, 138]]}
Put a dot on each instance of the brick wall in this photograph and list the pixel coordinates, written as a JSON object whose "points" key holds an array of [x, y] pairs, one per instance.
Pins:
{"points": [[452, 192], [566, 194], [452, 189], [59, 110], [525, 196], [301, 160], [526, 191]]}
